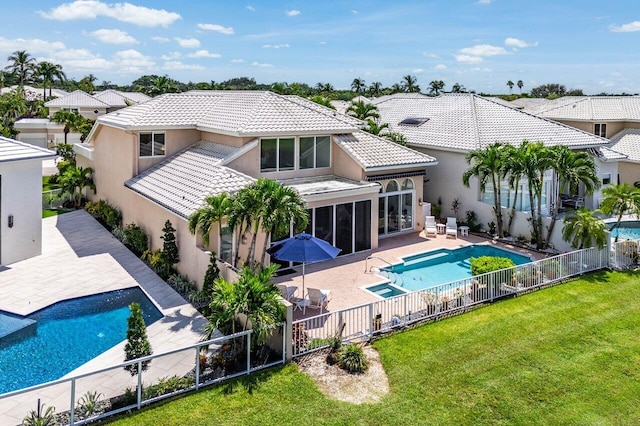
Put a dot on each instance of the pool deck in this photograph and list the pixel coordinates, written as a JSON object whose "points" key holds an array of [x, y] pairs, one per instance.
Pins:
{"points": [[79, 258], [347, 276]]}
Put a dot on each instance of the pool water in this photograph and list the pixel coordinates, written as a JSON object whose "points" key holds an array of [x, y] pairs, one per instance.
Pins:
{"points": [[629, 230], [68, 334], [441, 266], [386, 290]]}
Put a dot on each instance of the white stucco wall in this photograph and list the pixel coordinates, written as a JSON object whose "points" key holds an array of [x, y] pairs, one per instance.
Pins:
{"points": [[21, 197]]}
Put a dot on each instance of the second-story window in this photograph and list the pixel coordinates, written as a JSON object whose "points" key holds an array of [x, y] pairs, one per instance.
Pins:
{"points": [[277, 154], [600, 129], [151, 144], [315, 152]]}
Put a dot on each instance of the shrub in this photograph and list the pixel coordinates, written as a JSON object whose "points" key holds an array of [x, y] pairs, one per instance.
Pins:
{"points": [[157, 261], [335, 345], [484, 264], [353, 359], [472, 223], [137, 345], [89, 404], [129, 397], [135, 238], [104, 212], [169, 247], [38, 418], [167, 385], [211, 275]]}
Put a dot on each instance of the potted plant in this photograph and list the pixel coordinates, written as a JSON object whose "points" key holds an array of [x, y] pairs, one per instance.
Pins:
{"points": [[377, 322]]}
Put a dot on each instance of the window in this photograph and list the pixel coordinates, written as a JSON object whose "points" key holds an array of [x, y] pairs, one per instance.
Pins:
{"points": [[600, 129], [225, 247], [315, 152], [413, 121], [606, 178], [277, 154], [71, 110], [395, 207], [151, 144]]}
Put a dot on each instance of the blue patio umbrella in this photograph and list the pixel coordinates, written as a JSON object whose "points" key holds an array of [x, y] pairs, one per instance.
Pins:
{"points": [[303, 248]]}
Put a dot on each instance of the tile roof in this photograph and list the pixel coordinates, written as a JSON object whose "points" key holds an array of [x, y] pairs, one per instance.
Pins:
{"points": [[323, 185], [590, 108], [524, 103], [239, 113], [627, 142], [77, 99], [12, 150], [607, 154], [116, 98], [463, 122], [182, 182], [34, 92], [373, 152]]}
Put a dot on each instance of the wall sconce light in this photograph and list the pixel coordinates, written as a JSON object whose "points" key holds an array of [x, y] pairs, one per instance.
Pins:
{"points": [[10, 221], [243, 240], [419, 201]]}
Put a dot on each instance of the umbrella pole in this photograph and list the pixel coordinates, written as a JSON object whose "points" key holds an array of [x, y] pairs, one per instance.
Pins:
{"points": [[304, 299]]}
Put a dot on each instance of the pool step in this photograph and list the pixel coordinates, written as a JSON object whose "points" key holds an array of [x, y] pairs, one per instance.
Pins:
{"points": [[14, 329], [427, 257]]}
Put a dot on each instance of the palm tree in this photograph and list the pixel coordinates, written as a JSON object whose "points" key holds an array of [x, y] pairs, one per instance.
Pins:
{"points": [[457, 88], [358, 85], [620, 200], [520, 85], [510, 84], [572, 168], [282, 207], [161, 85], [513, 169], [280, 88], [71, 120], [584, 229], [86, 84], [409, 84], [375, 89], [321, 100], [240, 218], [436, 86], [203, 220], [74, 180], [396, 88], [21, 64], [398, 138], [363, 111], [537, 161], [374, 128], [488, 168], [49, 72]]}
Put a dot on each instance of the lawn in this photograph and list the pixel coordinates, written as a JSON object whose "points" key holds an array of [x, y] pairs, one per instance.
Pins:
{"points": [[569, 354]]}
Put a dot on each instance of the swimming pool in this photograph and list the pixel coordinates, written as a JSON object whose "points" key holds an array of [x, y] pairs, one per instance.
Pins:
{"points": [[628, 230], [440, 266], [66, 335]]}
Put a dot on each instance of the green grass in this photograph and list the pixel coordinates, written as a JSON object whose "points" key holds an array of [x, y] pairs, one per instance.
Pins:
{"points": [[569, 354], [46, 185]]}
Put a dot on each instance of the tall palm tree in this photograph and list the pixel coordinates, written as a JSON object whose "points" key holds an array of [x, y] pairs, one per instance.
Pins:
{"points": [[375, 89], [520, 85], [436, 86], [458, 88], [48, 72], [363, 111], [409, 83], [321, 100], [215, 209], [513, 169], [358, 85], [538, 161], [240, 219], [620, 200], [510, 84], [160, 85], [571, 168], [584, 229], [374, 127], [71, 120], [280, 88], [282, 207], [488, 168], [21, 64], [74, 180]]}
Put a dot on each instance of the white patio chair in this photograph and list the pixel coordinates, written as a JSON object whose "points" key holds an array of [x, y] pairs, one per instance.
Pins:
{"points": [[452, 227], [287, 291], [318, 298], [430, 226]]}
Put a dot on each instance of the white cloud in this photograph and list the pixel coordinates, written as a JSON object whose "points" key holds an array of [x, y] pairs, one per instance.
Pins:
{"points": [[177, 65], [322, 42], [217, 28], [626, 28], [430, 55], [113, 36], [204, 54], [440, 67], [481, 69], [161, 39], [258, 64], [82, 60], [292, 12], [355, 12], [251, 8], [517, 43], [606, 84], [123, 12], [483, 50], [275, 46], [188, 43], [172, 56], [133, 61], [484, 1], [237, 61], [468, 59], [417, 70], [34, 45]]}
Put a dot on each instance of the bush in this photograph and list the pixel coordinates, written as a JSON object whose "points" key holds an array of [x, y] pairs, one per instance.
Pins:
{"points": [[157, 261], [167, 385], [89, 404], [104, 212], [40, 418], [135, 239], [472, 223], [484, 264], [353, 359]]}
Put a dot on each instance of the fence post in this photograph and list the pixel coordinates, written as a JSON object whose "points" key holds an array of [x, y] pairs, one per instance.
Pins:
{"points": [[249, 351], [370, 321], [73, 398], [404, 314], [491, 285], [139, 384], [198, 367], [284, 343]]}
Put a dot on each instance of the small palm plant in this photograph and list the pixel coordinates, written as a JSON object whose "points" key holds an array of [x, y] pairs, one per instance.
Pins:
{"points": [[89, 403], [38, 418], [353, 359]]}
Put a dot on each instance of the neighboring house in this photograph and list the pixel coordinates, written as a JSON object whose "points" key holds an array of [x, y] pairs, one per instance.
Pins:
{"points": [[43, 132], [524, 103], [613, 117], [35, 93], [20, 200], [449, 126], [160, 159]]}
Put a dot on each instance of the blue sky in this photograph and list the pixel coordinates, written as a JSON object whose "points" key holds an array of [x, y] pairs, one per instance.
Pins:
{"points": [[480, 44]]}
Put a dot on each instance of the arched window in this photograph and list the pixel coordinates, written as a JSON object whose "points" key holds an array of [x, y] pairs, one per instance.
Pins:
{"points": [[381, 189], [392, 186], [407, 184]]}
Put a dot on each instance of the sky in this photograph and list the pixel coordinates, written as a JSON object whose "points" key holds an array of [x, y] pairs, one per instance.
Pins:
{"points": [[479, 44]]}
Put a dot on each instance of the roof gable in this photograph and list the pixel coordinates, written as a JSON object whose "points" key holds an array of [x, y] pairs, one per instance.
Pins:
{"points": [[590, 108], [77, 99], [12, 150]]}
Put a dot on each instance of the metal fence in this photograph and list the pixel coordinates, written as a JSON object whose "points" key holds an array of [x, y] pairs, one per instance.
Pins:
{"points": [[364, 321], [624, 254], [160, 376], [54, 199]]}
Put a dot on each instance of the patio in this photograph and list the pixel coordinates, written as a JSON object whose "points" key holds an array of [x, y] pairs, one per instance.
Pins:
{"points": [[347, 276]]}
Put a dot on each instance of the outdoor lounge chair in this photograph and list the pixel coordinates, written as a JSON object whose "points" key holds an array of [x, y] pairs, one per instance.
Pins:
{"points": [[287, 291], [452, 227], [318, 298], [430, 226]]}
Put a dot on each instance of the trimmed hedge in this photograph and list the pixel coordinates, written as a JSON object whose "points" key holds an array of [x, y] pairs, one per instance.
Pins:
{"points": [[484, 264]]}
